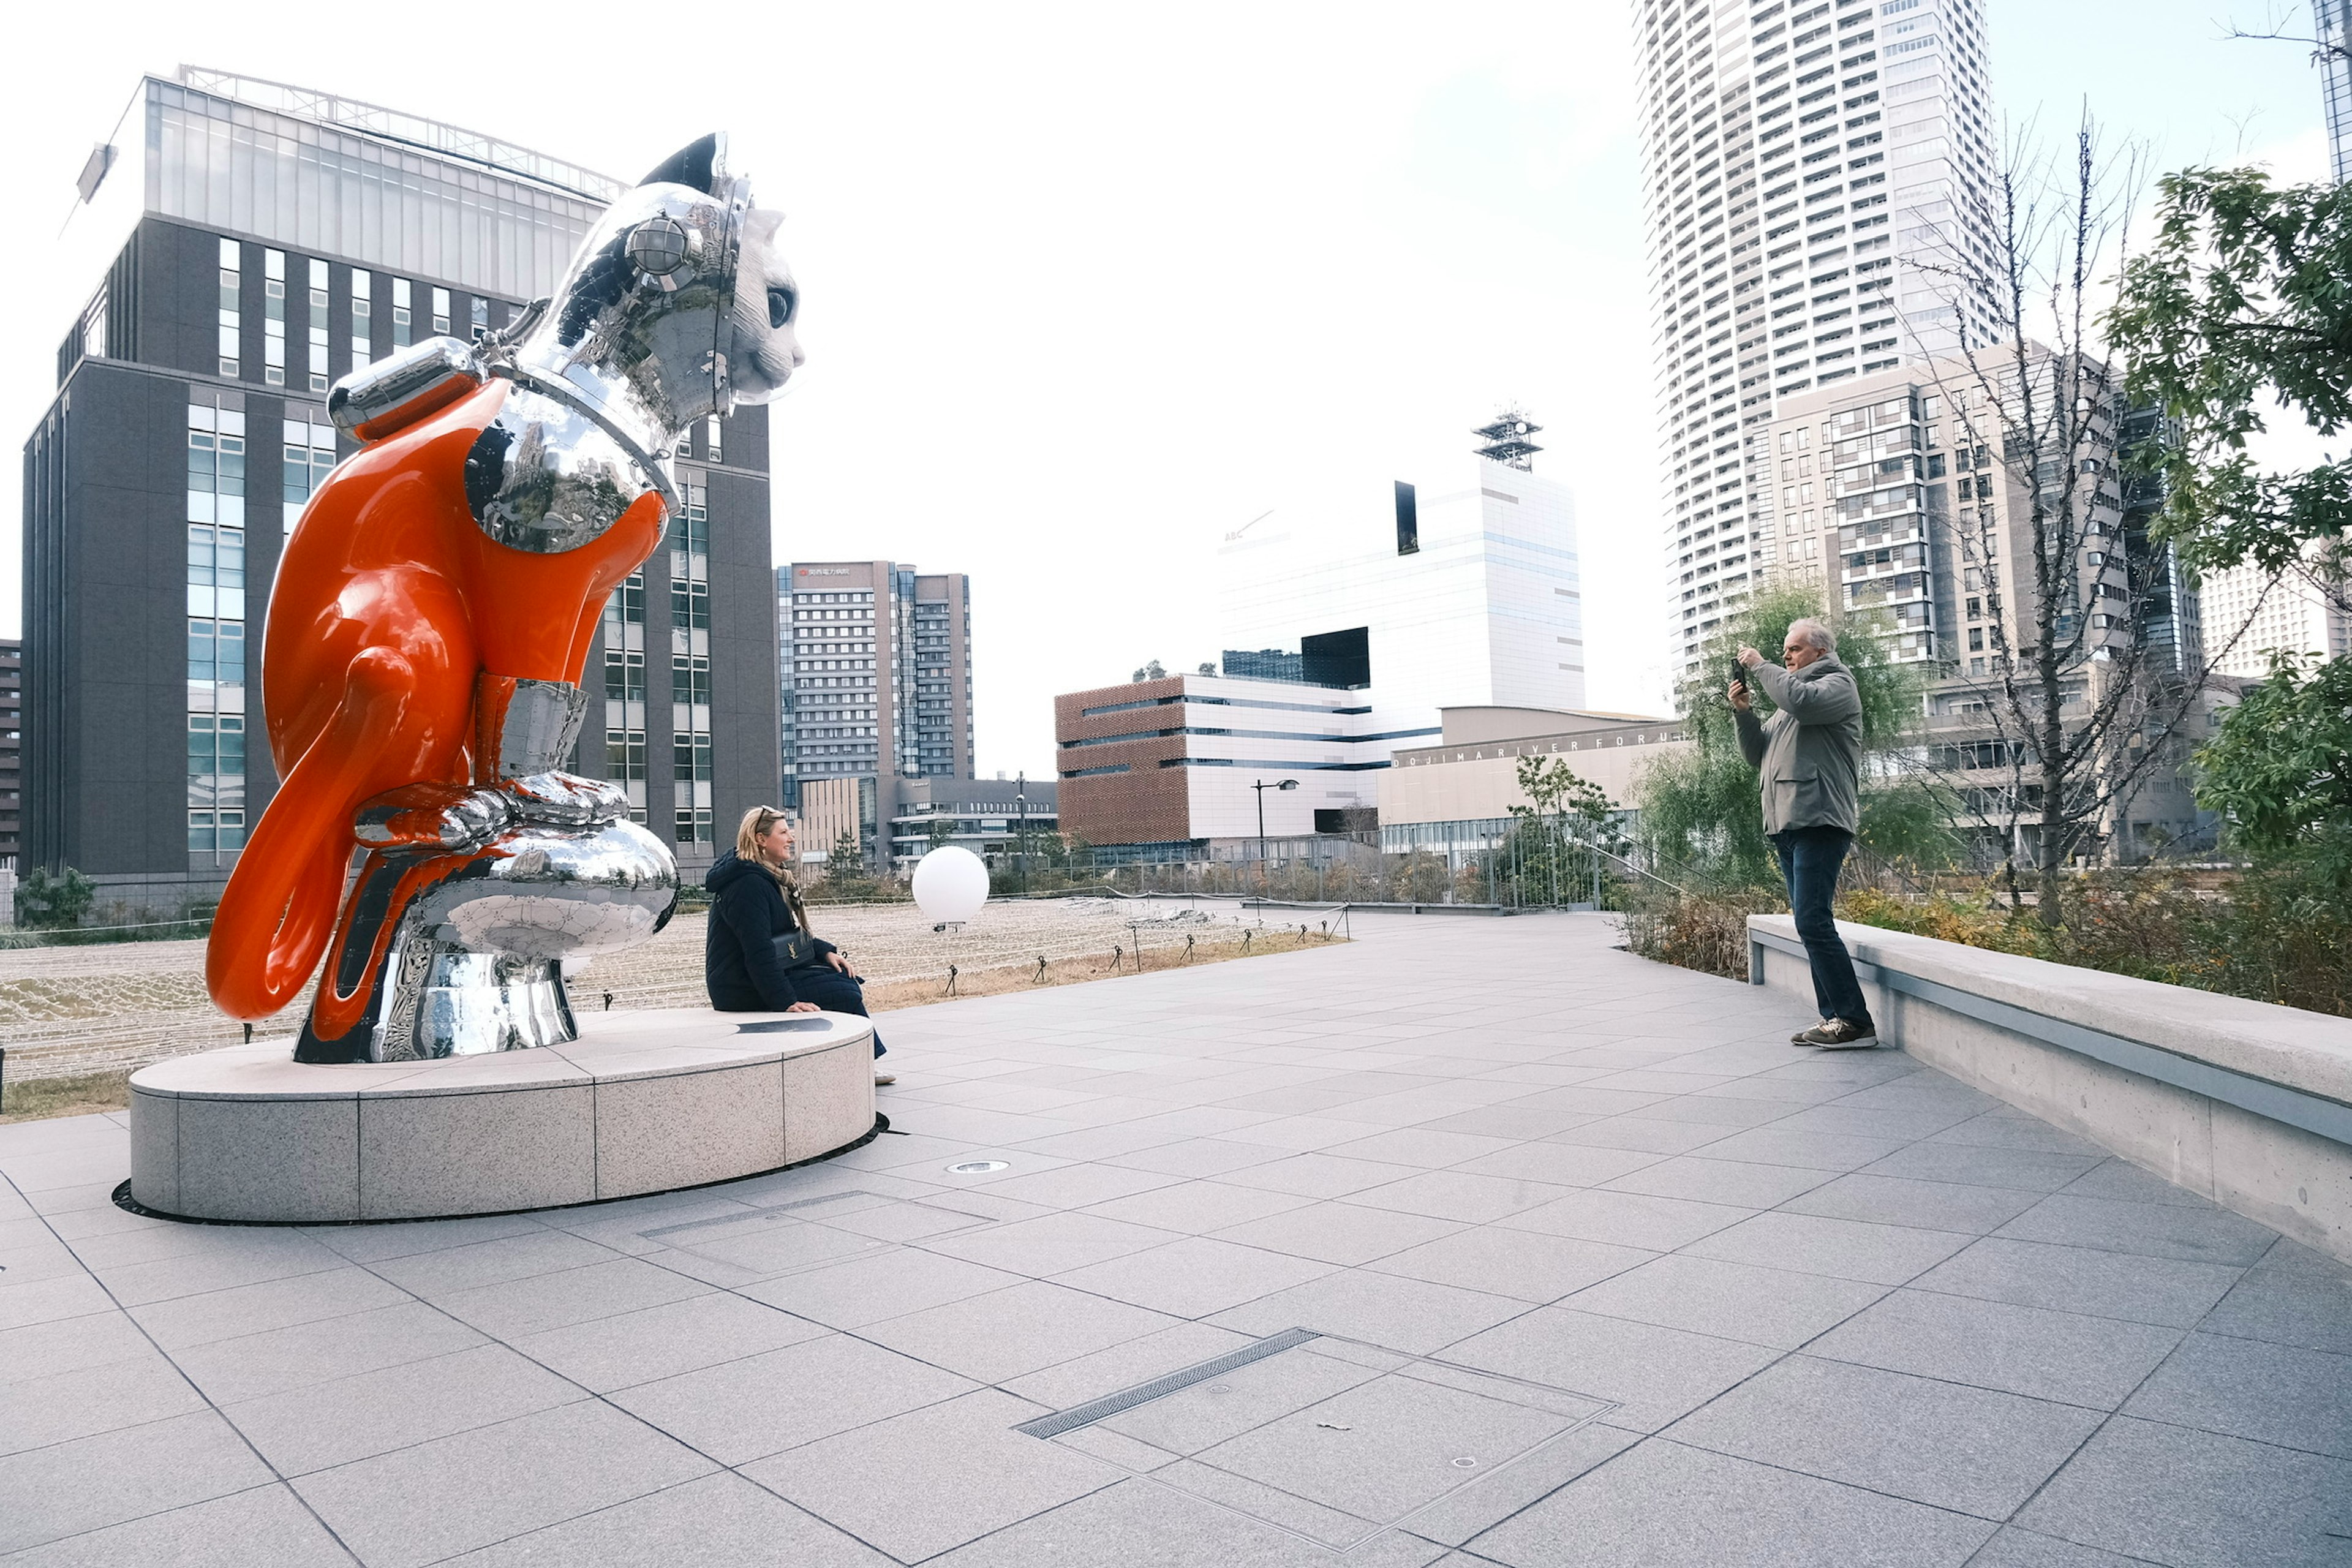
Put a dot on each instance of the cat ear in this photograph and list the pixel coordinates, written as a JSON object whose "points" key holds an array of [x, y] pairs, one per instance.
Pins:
{"points": [[702, 164]]}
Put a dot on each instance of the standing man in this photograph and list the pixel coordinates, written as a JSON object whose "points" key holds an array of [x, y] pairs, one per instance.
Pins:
{"points": [[1810, 754]]}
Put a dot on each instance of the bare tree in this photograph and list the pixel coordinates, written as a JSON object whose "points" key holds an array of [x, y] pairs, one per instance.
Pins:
{"points": [[2091, 677]]}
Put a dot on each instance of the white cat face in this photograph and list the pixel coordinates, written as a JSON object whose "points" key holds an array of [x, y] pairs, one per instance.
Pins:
{"points": [[767, 348]]}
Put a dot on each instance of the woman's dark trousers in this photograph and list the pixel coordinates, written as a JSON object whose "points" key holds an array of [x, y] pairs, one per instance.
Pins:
{"points": [[834, 991], [1810, 860]]}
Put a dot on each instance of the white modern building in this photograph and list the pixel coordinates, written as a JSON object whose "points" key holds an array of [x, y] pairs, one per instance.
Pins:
{"points": [[1820, 197], [2249, 615], [1473, 596]]}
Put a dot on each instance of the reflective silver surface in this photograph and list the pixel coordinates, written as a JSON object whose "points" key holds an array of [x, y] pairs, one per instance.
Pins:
{"points": [[403, 387]]}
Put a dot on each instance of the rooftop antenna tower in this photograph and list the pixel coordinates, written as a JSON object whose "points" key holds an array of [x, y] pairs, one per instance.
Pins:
{"points": [[1507, 438]]}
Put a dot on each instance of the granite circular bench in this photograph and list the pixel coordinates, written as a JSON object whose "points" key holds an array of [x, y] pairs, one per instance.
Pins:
{"points": [[642, 1102]]}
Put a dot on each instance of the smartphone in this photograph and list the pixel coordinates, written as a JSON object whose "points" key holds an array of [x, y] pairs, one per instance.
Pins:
{"points": [[1739, 673]]}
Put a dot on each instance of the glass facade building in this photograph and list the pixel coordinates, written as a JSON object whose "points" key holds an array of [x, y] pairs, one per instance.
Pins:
{"points": [[255, 243]]}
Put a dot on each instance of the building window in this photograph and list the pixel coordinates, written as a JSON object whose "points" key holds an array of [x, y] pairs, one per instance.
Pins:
{"points": [[711, 428], [309, 453], [319, 368], [689, 532], [624, 675], [689, 678], [217, 651], [401, 315], [689, 604], [627, 606], [215, 783], [624, 755], [232, 281], [362, 317], [441, 312], [273, 325], [480, 323]]}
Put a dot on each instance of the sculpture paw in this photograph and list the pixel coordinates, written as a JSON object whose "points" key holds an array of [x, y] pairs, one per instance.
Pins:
{"points": [[566, 800], [433, 815]]}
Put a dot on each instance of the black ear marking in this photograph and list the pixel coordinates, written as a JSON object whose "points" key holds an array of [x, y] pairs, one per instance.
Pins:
{"points": [[702, 164]]}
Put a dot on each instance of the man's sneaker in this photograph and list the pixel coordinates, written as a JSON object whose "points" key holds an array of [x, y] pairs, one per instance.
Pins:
{"points": [[880, 1078], [1841, 1034], [1805, 1036]]}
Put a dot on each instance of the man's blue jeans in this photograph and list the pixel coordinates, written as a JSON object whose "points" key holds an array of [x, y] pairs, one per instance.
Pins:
{"points": [[1810, 858]]}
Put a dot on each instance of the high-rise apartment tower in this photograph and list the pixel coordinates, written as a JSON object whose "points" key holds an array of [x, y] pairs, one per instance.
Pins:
{"points": [[1819, 194]]}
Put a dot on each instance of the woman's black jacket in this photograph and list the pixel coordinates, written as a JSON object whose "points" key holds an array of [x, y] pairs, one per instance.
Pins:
{"points": [[739, 964]]}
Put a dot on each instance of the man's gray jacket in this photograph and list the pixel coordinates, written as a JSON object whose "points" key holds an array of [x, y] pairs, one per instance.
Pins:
{"points": [[1809, 751]]}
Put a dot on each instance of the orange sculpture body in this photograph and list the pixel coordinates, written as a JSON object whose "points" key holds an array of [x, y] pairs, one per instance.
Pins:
{"points": [[431, 616], [389, 602]]}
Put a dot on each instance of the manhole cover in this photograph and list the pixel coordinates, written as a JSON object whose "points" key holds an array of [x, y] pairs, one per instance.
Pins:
{"points": [[1332, 1440], [977, 1167], [791, 1238]]}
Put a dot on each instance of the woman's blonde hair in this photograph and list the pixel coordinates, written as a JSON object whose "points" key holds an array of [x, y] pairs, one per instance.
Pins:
{"points": [[756, 824]]}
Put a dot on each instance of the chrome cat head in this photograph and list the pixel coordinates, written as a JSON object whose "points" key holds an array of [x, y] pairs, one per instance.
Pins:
{"points": [[677, 301]]}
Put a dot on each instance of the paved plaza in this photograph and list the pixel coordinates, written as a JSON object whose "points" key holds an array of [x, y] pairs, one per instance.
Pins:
{"points": [[1474, 1241]]}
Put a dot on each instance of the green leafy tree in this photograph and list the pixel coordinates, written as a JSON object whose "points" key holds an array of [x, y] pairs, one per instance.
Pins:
{"points": [[942, 831], [1701, 808], [2280, 771], [47, 901]]}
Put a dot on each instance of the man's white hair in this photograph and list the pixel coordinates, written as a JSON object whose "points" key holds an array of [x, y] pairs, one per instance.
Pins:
{"points": [[1814, 634]]}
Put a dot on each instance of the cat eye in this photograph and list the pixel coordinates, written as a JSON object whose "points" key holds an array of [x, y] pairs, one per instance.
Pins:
{"points": [[781, 302]]}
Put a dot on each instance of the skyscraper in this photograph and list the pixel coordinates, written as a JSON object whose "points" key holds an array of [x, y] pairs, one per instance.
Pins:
{"points": [[876, 661], [1820, 196], [250, 243], [2334, 19]]}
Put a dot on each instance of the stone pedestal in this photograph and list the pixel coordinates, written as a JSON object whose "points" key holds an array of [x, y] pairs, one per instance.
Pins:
{"points": [[642, 1102]]}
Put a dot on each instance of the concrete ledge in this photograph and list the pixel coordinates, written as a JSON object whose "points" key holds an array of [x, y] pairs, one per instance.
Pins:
{"points": [[642, 1102], [2243, 1103]]}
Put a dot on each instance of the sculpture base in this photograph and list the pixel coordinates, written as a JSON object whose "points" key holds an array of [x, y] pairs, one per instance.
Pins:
{"points": [[642, 1102]]}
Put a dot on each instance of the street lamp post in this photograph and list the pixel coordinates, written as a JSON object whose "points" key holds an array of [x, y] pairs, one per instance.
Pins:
{"points": [[1261, 786], [1020, 837]]}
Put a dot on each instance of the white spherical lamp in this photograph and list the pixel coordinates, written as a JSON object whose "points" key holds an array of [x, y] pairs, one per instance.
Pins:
{"points": [[950, 884]]}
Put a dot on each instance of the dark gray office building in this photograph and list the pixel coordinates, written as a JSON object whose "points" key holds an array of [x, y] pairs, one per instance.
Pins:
{"points": [[250, 243]]}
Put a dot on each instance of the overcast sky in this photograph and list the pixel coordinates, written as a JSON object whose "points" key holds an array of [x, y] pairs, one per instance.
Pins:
{"points": [[1085, 287]]}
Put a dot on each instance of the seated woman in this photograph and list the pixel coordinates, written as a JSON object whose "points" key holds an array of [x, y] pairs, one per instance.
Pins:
{"points": [[755, 915]]}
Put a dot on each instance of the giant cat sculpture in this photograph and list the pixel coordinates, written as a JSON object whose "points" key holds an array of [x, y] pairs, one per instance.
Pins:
{"points": [[431, 616]]}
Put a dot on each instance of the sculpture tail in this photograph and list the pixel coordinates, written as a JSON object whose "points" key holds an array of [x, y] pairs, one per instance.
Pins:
{"points": [[279, 907]]}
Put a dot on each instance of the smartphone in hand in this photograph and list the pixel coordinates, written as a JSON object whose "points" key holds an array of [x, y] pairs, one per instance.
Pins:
{"points": [[1739, 673]]}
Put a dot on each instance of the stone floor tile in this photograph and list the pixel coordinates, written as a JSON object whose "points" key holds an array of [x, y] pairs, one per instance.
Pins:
{"points": [[1495, 1497], [203, 1272], [1654, 1374], [2149, 1230], [1420, 1147], [1662, 1505], [1640, 1134], [1562, 1164], [2246, 1388], [1400, 1314], [1460, 1195], [1338, 1233], [2006, 1128], [1524, 1265], [419, 1505], [261, 1527], [329, 1424], [655, 1343], [1900, 1123], [1017, 1330], [2295, 1296], [1195, 1209], [716, 1521], [1732, 1300], [1196, 1157], [407, 1238], [2164, 1292], [2013, 1548], [1628, 1220], [1923, 1206], [743, 1410], [1841, 1248], [1706, 1180], [69, 1487], [444, 1271], [1194, 1277], [1077, 1186], [2198, 1500], [1319, 1175], [1300, 1134], [977, 1475], [1051, 1244], [69, 1345], [1968, 1449], [1141, 1524], [38, 1411], [2030, 1351], [47, 1301], [2127, 1183], [276, 1360], [512, 1308], [1806, 1151], [887, 1283], [1509, 1121], [2026, 1170], [271, 1304], [1070, 1383]]}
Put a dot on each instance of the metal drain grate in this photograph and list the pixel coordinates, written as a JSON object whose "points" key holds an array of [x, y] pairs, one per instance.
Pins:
{"points": [[1080, 1416]]}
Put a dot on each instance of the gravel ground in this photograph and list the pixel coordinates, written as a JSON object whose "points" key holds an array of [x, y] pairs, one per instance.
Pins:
{"points": [[68, 1011]]}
